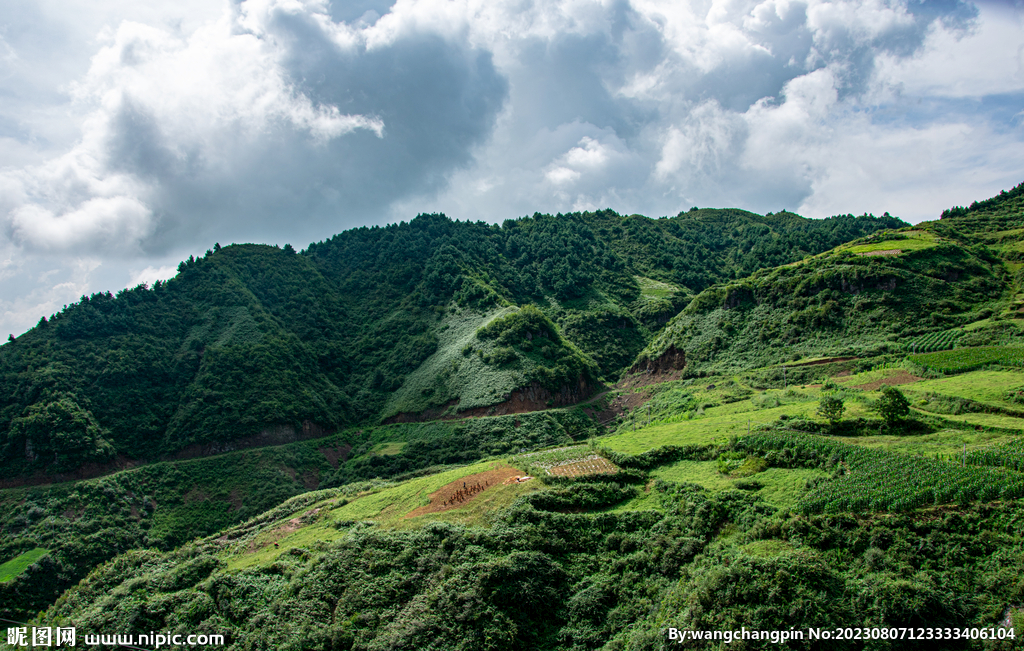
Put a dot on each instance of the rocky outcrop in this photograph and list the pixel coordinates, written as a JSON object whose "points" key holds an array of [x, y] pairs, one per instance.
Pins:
{"points": [[669, 361]]}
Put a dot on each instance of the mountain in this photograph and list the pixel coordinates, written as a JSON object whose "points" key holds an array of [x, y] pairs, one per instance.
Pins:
{"points": [[829, 443], [255, 345]]}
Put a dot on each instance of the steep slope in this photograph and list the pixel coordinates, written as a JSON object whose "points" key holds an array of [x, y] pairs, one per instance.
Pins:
{"points": [[252, 345], [869, 297]]}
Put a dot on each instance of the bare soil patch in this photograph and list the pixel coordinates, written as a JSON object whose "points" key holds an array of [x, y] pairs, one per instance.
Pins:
{"points": [[896, 379], [291, 526], [623, 402], [871, 254], [462, 490], [818, 362], [337, 453]]}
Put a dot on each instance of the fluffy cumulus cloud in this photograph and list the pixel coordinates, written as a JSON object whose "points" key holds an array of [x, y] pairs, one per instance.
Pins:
{"points": [[167, 126]]}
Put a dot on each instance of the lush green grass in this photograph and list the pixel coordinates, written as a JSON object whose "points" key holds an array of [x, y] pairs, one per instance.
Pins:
{"points": [[990, 387], [768, 548], [655, 289], [392, 447], [916, 241], [19, 564], [987, 420], [704, 473], [945, 443], [785, 487]]}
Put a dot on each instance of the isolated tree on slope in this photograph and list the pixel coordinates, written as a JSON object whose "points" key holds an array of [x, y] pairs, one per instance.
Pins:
{"points": [[830, 406], [893, 406]]}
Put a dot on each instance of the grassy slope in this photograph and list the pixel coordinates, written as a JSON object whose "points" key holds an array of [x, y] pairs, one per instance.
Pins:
{"points": [[839, 303], [14, 567]]}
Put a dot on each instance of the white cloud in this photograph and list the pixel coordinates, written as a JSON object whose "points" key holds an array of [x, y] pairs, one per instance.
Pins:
{"points": [[290, 120], [948, 64], [151, 274]]}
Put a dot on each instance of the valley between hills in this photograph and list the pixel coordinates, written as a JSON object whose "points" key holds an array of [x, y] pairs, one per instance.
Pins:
{"points": [[562, 432]]}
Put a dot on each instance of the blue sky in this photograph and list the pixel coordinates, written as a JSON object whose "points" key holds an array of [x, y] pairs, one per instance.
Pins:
{"points": [[133, 134]]}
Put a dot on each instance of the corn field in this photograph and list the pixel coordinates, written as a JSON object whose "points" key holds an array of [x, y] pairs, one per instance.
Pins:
{"points": [[877, 480], [932, 342], [969, 359], [1009, 455]]}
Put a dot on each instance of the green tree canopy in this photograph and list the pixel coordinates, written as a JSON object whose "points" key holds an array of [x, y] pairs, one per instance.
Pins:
{"points": [[831, 408], [893, 406]]}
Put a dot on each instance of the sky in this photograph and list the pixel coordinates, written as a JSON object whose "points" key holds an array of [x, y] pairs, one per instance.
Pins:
{"points": [[136, 133]]}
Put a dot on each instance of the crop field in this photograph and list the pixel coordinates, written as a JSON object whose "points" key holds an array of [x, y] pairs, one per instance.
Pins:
{"points": [[884, 481], [969, 359], [555, 456], [19, 564], [1009, 455], [933, 341], [387, 506], [595, 464]]}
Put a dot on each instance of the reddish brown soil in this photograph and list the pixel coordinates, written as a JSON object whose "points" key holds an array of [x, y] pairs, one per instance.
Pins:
{"points": [[337, 453], [898, 378], [623, 402], [446, 498]]}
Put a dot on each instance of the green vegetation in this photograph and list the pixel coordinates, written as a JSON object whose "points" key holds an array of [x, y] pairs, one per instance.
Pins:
{"points": [[969, 359], [893, 406], [14, 567], [836, 305], [165, 504], [302, 473], [933, 341], [912, 240], [573, 566], [878, 481], [249, 343]]}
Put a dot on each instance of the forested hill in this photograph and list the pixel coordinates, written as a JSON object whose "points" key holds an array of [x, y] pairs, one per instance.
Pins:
{"points": [[259, 341], [890, 292]]}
